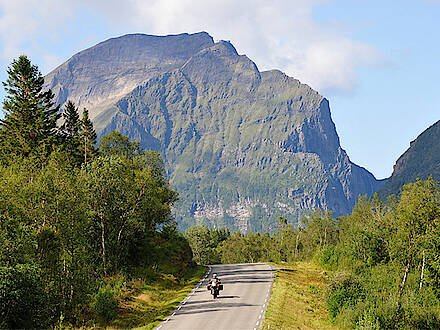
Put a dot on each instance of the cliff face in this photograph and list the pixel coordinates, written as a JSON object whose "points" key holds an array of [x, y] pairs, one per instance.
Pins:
{"points": [[240, 146], [421, 160], [99, 76]]}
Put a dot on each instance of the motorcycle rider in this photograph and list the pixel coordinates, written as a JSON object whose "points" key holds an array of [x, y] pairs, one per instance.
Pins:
{"points": [[214, 280], [214, 283]]}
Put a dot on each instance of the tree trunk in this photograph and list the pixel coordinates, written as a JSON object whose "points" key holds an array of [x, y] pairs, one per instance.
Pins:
{"points": [[104, 260], [402, 285], [423, 269], [296, 245]]}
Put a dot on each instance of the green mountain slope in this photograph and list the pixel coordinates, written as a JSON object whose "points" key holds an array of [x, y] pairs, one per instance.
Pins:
{"points": [[242, 147], [421, 160]]}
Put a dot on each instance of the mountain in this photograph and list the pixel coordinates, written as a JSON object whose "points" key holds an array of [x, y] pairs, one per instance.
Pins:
{"points": [[421, 160], [101, 75], [241, 146]]}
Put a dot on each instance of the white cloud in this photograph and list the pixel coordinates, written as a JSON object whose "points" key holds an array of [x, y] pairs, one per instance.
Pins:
{"points": [[278, 34], [24, 23]]}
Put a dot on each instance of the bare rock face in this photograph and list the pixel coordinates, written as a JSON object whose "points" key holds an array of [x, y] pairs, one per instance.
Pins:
{"points": [[420, 161], [242, 147], [98, 76]]}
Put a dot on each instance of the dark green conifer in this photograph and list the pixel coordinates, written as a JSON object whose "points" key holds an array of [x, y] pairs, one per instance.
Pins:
{"points": [[71, 132], [88, 136], [29, 128]]}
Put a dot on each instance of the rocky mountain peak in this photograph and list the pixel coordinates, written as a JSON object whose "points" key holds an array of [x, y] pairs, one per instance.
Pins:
{"points": [[100, 75], [240, 146]]}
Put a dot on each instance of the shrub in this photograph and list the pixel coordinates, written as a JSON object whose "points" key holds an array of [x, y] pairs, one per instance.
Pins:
{"points": [[343, 291], [105, 305], [23, 303], [368, 320], [328, 257]]}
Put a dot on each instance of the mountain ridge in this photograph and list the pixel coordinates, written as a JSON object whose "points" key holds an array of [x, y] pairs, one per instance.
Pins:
{"points": [[240, 146], [419, 161]]}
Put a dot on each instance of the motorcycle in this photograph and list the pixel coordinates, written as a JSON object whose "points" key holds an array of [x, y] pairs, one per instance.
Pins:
{"points": [[215, 289]]}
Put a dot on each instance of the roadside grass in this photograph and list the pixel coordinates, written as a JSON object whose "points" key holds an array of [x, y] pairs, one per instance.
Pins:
{"points": [[145, 305], [297, 300]]}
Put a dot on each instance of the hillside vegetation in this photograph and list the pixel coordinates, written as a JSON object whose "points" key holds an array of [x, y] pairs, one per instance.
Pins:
{"points": [[78, 224], [384, 260]]}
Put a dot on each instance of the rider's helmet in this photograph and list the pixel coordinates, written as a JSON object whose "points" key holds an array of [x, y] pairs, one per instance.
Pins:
{"points": [[214, 275]]}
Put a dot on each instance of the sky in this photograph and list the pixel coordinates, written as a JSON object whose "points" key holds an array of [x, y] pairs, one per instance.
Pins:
{"points": [[377, 62]]}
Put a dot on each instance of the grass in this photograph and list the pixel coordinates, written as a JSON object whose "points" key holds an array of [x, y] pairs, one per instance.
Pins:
{"points": [[297, 300], [145, 305]]}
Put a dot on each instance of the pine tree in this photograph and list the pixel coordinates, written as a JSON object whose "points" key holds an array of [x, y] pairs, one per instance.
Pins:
{"points": [[29, 128], [71, 132], [88, 136]]}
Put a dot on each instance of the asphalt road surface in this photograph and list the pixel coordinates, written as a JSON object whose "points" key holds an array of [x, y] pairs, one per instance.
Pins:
{"points": [[241, 304]]}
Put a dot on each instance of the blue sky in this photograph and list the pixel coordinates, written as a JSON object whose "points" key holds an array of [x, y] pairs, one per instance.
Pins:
{"points": [[376, 61]]}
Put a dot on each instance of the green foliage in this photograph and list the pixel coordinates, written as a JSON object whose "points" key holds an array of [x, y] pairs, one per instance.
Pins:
{"points": [[105, 304], [29, 127], [385, 257], [23, 302], [204, 243], [71, 132], [250, 248], [76, 226], [344, 291], [392, 250], [88, 137], [117, 144], [65, 229]]}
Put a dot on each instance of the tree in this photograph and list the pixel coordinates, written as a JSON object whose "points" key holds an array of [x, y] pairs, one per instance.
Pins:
{"points": [[321, 230], [117, 144], [283, 234], [199, 240], [29, 127], [71, 132], [126, 199], [413, 221], [88, 136]]}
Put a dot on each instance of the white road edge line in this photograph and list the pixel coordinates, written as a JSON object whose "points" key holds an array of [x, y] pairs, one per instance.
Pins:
{"points": [[187, 298]]}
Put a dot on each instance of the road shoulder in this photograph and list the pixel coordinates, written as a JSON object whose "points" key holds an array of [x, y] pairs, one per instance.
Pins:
{"points": [[297, 299]]}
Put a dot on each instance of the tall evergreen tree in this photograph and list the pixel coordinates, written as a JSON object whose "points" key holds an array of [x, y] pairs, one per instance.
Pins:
{"points": [[88, 136], [71, 132], [29, 127]]}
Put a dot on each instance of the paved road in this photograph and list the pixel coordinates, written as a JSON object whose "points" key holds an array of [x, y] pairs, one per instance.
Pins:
{"points": [[241, 305]]}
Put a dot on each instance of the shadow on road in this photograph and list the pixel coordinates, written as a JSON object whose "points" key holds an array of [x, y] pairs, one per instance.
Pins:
{"points": [[213, 306], [236, 272], [227, 297]]}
